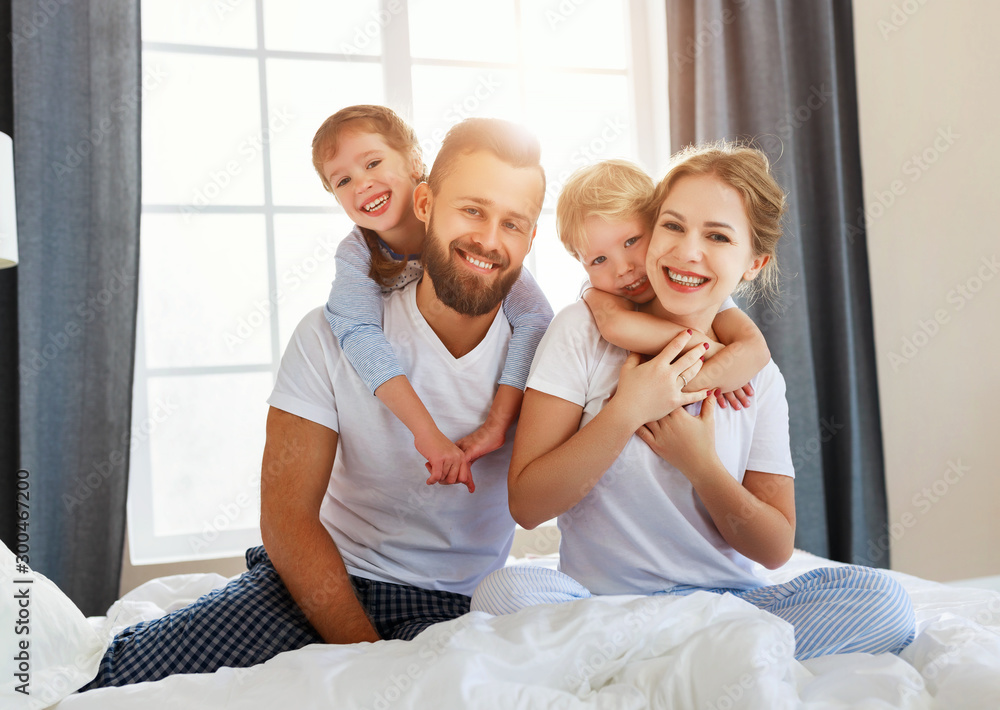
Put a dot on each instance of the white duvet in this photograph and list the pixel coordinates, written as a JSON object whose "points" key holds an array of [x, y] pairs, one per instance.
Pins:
{"points": [[699, 651]]}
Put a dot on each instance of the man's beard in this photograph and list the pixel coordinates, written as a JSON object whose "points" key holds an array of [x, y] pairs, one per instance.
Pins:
{"points": [[460, 289]]}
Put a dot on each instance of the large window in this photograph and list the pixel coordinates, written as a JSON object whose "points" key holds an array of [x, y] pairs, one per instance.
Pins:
{"points": [[238, 235]]}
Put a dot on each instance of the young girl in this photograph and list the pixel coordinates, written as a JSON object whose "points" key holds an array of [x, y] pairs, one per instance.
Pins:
{"points": [[656, 490], [369, 158]]}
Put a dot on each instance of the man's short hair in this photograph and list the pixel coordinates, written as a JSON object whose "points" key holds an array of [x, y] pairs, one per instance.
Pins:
{"points": [[510, 142], [616, 190]]}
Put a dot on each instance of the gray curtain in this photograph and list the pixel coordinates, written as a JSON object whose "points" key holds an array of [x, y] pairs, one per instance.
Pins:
{"points": [[9, 449], [74, 99], [781, 72]]}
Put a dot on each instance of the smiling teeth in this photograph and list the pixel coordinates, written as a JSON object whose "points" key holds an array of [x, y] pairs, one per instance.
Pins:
{"points": [[685, 280], [637, 284], [480, 264], [376, 203]]}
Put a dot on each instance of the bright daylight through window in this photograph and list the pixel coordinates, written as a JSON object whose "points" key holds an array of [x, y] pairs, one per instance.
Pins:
{"points": [[238, 235]]}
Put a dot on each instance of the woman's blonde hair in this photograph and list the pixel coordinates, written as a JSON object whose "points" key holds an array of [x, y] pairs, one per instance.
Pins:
{"points": [[384, 122], [616, 190], [748, 171]]}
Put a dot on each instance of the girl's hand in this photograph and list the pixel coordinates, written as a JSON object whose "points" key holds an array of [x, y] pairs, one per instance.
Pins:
{"points": [[653, 389], [481, 442], [737, 398], [446, 463], [685, 441]]}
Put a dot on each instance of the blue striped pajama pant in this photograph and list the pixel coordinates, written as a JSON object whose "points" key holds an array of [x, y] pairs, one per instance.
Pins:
{"points": [[254, 618], [832, 609]]}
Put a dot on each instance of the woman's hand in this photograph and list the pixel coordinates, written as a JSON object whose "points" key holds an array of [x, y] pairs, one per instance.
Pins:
{"points": [[685, 441], [653, 389]]}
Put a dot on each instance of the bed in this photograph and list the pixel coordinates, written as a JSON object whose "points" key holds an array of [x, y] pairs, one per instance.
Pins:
{"points": [[622, 652]]}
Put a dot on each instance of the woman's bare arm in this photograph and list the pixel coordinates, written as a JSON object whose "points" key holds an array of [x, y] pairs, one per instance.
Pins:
{"points": [[554, 466]]}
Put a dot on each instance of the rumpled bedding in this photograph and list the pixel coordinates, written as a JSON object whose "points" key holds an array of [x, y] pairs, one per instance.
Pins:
{"points": [[621, 652]]}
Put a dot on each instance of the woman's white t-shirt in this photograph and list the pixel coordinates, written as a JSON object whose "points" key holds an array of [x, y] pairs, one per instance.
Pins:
{"points": [[642, 528]]}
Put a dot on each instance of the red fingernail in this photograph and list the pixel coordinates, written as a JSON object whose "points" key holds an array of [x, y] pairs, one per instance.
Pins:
{"points": [[703, 358], [706, 345], [689, 331]]}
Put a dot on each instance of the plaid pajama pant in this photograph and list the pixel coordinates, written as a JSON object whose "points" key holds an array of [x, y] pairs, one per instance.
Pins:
{"points": [[254, 618]]}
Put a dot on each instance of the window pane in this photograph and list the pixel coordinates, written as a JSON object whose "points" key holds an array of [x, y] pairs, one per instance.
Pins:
{"points": [[305, 246], [464, 31], [573, 34], [337, 27], [303, 94], [558, 273], [201, 137], [443, 96], [227, 23], [206, 457], [579, 119], [205, 290]]}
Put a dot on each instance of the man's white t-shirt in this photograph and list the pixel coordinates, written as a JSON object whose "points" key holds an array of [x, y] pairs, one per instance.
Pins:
{"points": [[388, 524], [642, 529]]}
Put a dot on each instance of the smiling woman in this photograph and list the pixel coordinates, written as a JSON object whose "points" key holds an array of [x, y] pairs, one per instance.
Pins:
{"points": [[263, 234], [655, 491]]}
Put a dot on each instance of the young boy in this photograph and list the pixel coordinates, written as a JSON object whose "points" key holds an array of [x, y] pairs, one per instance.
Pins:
{"points": [[604, 217]]}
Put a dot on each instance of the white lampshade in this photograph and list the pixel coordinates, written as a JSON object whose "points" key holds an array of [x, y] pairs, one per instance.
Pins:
{"points": [[8, 209]]}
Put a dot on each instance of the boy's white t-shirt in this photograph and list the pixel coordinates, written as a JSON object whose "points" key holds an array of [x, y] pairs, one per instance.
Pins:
{"points": [[388, 524], [642, 529]]}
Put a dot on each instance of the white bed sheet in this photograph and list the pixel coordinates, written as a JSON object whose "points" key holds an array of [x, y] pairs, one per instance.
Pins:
{"points": [[700, 651]]}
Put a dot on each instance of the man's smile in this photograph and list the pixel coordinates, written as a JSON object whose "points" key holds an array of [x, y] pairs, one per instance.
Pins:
{"points": [[480, 263]]}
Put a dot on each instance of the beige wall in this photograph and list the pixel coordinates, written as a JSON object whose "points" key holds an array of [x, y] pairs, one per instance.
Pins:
{"points": [[543, 540], [133, 576], [929, 95]]}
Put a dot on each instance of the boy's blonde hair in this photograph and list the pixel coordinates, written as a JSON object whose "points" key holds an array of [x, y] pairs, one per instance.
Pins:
{"points": [[381, 121], [748, 171], [616, 190]]}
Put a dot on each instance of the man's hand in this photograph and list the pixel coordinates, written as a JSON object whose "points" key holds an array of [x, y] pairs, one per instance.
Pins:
{"points": [[446, 462], [295, 472]]}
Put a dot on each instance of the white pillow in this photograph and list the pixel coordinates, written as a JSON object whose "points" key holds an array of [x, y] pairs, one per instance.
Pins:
{"points": [[58, 653]]}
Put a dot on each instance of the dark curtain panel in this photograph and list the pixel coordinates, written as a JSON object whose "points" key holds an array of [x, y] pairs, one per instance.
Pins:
{"points": [[75, 104], [9, 448], [781, 72]]}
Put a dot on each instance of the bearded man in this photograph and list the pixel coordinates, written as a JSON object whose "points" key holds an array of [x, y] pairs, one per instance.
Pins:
{"points": [[357, 547]]}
